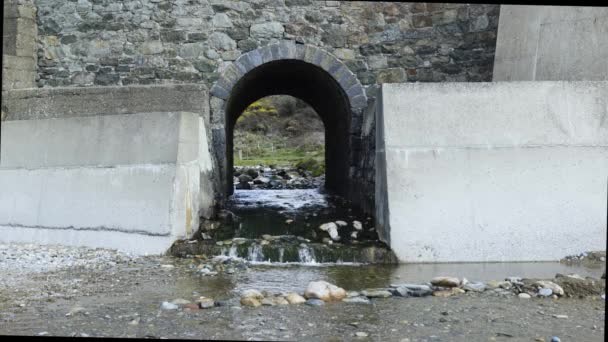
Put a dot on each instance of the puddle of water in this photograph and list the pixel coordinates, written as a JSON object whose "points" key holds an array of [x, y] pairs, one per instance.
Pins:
{"points": [[277, 278]]}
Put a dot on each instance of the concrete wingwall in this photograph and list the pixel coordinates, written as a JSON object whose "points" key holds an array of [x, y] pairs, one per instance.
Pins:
{"points": [[115, 168], [505, 171], [551, 43]]}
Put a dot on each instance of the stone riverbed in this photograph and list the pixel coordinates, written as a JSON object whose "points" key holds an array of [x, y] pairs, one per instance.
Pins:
{"points": [[67, 291]]}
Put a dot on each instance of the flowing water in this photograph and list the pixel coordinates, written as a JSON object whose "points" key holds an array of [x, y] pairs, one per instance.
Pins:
{"points": [[287, 212]]}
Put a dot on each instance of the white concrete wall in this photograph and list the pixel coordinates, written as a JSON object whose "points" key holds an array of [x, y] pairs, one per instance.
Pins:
{"points": [[506, 171], [125, 181], [544, 43]]}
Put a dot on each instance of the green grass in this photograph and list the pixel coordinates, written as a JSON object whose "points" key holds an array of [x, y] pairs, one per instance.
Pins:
{"points": [[285, 157]]}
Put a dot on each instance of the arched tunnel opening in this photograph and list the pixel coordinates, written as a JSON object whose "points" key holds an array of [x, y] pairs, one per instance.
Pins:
{"points": [[300, 217], [314, 86]]}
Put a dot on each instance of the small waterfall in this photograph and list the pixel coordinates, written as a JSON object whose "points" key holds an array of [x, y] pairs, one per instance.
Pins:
{"points": [[233, 253], [255, 253], [224, 251], [281, 252], [306, 254]]}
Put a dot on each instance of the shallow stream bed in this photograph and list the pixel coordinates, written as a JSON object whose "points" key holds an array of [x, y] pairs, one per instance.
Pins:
{"points": [[123, 300]]}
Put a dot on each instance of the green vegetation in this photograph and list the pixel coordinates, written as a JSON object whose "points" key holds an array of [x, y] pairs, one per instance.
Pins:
{"points": [[313, 165], [280, 131]]}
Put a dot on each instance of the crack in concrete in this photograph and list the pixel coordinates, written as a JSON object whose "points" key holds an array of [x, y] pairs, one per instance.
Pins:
{"points": [[99, 229]]}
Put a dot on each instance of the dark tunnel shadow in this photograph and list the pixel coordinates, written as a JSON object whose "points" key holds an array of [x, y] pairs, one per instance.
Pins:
{"points": [[310, 84]]}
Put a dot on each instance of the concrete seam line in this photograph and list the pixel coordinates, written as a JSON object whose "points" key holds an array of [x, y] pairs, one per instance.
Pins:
{"points": [[99, 228], [114, 166], [481, 147], [24, 116]]}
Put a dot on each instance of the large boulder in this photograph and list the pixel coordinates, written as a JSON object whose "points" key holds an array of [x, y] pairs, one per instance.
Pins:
{"points": [[244, 178], [252, 173], [324, 291], [252, 294], [250, 301], [545, 284], [575, 287], [261, 180], [294, 298], [445, 281]]}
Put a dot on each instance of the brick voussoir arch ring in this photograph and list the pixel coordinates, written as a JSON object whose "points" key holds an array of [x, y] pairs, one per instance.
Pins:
{"points": [[290, 50]]}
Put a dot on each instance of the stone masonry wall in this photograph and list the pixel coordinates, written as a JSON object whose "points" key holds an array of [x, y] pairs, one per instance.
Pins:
{"points": [[125, 42], [108, 42]]}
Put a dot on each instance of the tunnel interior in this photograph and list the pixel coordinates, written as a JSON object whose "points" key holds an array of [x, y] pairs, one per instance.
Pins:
{"points": [[310, 84]]}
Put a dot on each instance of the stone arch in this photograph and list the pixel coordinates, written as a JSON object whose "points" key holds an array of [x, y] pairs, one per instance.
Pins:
{"points": [[303, 71]]}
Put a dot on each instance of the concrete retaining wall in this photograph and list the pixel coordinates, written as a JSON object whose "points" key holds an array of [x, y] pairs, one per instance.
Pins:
{"points": [[551, 43], [507, 171], [135, 181]]}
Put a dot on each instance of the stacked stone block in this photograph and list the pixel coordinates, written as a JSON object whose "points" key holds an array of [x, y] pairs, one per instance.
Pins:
{"points": [[19, 45]]}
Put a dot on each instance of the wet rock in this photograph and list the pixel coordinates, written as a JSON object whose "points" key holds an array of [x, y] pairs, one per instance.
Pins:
{"points": [[573, 275], [376, 293], [191, 307], [448, 293], [545, 284], [474, 286], [420, 293], [326, 226], [545, 292], [244, 178], [514, 280], [294, 298], [494, 284], [324, 291], [341, 223], [222, 303], [360, 299], [315, 302], [250, 301], [353, 235], [555, 339], [280, 301], [413, 286], [333, 234], [251, 293], [261, 180], [560, 316], [357, 225], [361, 334], [205, 303], [243, 186], [445, 281], [350, 294], [575, 287], [524, 296], [400, 292], [180, 301], [268, 302], [327, 241], [168, 306]]}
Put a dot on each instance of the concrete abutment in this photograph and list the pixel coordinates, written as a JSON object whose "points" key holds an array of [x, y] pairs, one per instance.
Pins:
{"points": [[123, 167]]}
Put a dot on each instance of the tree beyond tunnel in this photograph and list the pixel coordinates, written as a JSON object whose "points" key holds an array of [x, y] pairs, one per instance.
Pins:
{"points": [[311, 84]]}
